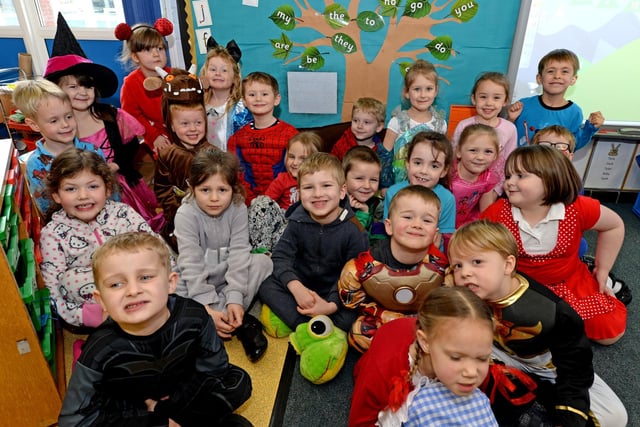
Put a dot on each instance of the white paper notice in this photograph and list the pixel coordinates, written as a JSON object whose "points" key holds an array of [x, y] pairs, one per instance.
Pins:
{"points": [[253, 3], [313, 92]]}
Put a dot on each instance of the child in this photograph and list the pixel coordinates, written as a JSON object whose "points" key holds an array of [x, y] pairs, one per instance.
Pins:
{"points": [[186, 120], [558, 137], [392, 279], [420, 90], [429, 157], [80, 182], [425, 371], [536, 331], [261, 144], [47, 110], [472, 176], [321, 236], [490, 94], [226, 113], [362, 176], [367, 120], [216, 266], [155, 363], [557, 70], [267, 213], [547, 216], [111, 129], [144, 47]]}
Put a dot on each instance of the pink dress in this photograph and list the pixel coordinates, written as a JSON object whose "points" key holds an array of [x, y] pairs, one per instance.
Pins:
{"points": [[468, 194], [562, 271]]}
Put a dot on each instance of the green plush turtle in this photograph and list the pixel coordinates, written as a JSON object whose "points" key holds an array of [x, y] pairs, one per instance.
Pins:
{"points": [[322, 348]]}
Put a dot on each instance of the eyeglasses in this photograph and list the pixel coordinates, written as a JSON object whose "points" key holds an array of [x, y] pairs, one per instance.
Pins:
{"points": [[561, 146]]}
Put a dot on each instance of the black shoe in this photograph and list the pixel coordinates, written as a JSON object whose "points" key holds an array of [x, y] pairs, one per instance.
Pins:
{"points": [[252, 339], [624, 291]]}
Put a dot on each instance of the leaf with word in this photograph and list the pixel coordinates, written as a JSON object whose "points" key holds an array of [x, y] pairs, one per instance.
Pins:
{"points": [[343, 43], [281, 46], [404, 66], [370, 21], [417, 9], [312, 59], [284, 17], [464, 10], [336, 16], [389, 7], [440, 47]]}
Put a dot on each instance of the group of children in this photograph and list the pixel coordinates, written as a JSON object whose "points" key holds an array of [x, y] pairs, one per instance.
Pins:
{"points": [[367, 235]]}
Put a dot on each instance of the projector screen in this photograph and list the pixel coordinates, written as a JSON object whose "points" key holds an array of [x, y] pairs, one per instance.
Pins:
{"points": [[606, 37]]}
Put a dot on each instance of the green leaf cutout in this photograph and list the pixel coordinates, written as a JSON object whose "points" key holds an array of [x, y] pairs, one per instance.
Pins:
{"points": [[281, 47], [417, 9], [370, 21], [284, 17], [312, 59], [404, 66], [389, 7], [464, 10], [440, 47], [336, 16], [343, 43]]}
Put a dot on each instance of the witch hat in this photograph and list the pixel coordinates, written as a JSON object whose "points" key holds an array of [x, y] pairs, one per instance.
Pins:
{"points": [[68, 58]]}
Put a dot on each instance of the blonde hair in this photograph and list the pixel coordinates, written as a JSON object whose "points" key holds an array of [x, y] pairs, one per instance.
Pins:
{"points": [[235, 94], [322, 162], [426, 194], [480, 129], [130, 242], [420, 68], [311, 141], [557, 130], [28, 94], [483, 236], [560, 55], [371, 106]]}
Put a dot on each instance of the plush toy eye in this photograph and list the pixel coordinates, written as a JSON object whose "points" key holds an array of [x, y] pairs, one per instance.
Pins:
{"points": [[169, 78], [320, 326]]}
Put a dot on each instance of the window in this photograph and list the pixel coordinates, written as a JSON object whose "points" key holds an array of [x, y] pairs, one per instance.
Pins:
{"points": [[8, 15], [81, 13]]}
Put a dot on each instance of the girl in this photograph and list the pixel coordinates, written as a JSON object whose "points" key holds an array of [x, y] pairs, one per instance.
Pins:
{"points": [[420, 90], [144, 47], [426, 371], [111, 129], [223, 98], [267, 213], [490, 94], [483, 257], [80, 182], [472, 177], [217, 268], [429, 157], [186, 120], [362, 169], [547, 216]]}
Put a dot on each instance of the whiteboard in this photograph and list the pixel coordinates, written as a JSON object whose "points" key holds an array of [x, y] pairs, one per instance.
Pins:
{"points": [[606, 37]]}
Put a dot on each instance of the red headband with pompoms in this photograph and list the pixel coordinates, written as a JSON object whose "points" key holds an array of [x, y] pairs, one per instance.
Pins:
{"points": [[162, 25]]}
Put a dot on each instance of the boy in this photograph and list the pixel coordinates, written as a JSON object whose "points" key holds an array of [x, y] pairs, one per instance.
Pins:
{"points": [[392, 279], [558, 137], [367, 120], [157, 357], [261, 144], [47, 110], [321, 236], [557, 70], [536, 331]]}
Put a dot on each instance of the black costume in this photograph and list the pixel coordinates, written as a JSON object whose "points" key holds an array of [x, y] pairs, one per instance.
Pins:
{"points": [[183, 366]]}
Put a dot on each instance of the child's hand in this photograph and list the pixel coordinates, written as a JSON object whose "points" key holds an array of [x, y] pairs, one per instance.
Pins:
{"points": [[357, 205], [601, 277], [596, 119], [151, 404], [113, 167], [303, 296], [321, 306], [235, 313], [514, 111], [159, 143], [223, 327], [437, 239]]}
